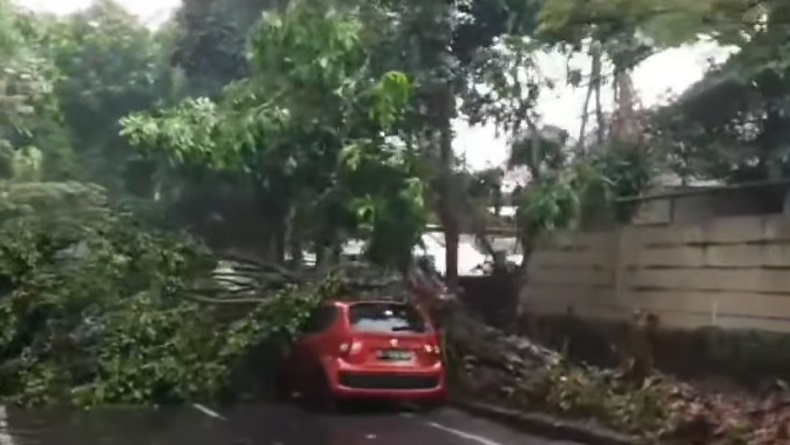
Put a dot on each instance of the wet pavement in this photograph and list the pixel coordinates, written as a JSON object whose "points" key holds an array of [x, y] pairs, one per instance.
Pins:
{"points": [[256, 424]]}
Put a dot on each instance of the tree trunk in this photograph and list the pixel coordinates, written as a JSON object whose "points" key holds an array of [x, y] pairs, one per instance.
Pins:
{"points": [[448, 201], [321, 255], [297, 254], [527, 242], [626, 127], [275, 213], [280, 239], [451, 238], [337, 253], [295, 246]]}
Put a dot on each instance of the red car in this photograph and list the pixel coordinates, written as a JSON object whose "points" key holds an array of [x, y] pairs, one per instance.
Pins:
{"points": [[366, 349]]}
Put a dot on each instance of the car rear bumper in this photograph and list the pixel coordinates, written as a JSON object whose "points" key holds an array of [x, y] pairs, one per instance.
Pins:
{"points": [[406, 384]]}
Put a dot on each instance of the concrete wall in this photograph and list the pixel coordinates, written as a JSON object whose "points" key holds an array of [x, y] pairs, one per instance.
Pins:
{"points": [[731, 273], [698, 208]]}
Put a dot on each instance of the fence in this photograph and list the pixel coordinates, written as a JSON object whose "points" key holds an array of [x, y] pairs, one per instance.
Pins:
{"points": [[732, 273]]}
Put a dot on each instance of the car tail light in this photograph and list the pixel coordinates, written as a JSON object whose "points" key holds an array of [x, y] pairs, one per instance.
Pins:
{"points": [[350, 348], [432, 349]]}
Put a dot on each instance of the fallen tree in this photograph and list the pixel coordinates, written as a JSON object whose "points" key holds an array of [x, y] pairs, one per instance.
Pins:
{"points": [[97, 307], [515, 372], [488, 364]]}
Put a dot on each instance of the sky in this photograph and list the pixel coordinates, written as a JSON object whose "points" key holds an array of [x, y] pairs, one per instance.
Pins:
{"points": [[656, 79], [150, 10]]}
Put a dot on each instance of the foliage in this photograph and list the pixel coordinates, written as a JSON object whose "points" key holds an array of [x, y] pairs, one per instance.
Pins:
{"points": [[72, 78], [29, 119], [109, 64], [586, 392], [211, 40], [556, 200], [628, 172], [52, 200], [560, 185], [659, 409], [95, 309], [548, 205], [442, 46], [507, 88], [62, 276], [732, 125], [311, 126], [513, 372], [630, 30]]}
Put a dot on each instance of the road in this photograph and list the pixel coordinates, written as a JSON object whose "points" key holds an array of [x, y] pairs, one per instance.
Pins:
{"points": [[291, 425], [259, 424]]}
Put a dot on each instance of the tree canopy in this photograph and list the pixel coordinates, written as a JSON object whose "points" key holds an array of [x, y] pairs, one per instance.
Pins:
{"points": [[311, 127]]}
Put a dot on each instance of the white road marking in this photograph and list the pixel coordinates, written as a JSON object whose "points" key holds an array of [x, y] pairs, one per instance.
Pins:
{"points": [[5, 437], [203, 410], [463, 434]]}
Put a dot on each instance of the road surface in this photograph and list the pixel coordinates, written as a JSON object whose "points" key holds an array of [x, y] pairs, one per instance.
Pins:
{"points": [[258, 424]]}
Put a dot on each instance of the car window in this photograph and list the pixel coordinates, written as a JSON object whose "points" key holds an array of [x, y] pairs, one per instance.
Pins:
{"points": [[320, 320], [386, 317]]}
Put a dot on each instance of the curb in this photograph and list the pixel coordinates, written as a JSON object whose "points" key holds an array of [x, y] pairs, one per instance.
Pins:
{"points": [[547, 426]]}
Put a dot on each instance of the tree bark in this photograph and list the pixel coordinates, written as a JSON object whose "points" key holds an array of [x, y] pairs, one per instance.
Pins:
{"points": [[275, 225], [297, 254], [295, 247], [451, 239], [280, 240], [448, 200]]}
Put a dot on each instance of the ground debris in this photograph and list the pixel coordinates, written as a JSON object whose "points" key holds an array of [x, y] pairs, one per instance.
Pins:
{"points": [[516, 372]]}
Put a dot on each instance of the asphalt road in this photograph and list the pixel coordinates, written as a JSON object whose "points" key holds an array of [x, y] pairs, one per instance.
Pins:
{"points": [[259, 424]]}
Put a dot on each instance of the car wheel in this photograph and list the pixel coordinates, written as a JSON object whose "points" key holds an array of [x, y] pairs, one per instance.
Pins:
{"points": [[320, 397]]}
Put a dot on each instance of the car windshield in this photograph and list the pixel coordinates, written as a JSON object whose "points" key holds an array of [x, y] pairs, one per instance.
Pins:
{"points": [[386, 317]]}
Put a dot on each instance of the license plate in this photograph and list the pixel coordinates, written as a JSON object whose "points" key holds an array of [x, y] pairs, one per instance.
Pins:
{"points": [[395, 355]]}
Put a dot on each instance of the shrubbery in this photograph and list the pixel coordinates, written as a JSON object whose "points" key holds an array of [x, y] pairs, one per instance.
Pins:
{"points": [[95, 307]]}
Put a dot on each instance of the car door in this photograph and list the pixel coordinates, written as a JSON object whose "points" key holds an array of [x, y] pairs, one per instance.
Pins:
{"points": [[310, 345]]}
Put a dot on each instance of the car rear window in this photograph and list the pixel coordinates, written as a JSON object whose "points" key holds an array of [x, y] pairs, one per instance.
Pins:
{"points": [[386, 317]]}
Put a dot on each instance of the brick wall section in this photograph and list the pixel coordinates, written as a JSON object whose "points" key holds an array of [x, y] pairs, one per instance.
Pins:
{"points": [[730, 273]]}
